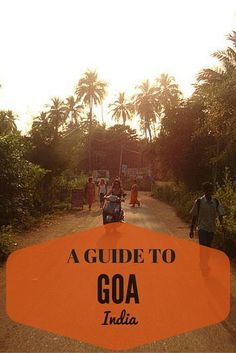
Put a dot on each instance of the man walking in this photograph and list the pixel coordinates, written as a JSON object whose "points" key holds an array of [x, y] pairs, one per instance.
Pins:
{"points": [[205, 211]]}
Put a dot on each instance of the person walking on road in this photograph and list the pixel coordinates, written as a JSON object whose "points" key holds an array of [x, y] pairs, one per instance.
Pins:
{"points": [[204, 212], [102, 191], [134, 195], [90, 192]]}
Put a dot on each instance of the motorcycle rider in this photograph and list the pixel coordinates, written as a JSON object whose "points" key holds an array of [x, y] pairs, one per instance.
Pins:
{"points": [[116, 188], [118, 191]]}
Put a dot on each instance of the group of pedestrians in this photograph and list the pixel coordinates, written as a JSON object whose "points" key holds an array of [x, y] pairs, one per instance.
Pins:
{"points": [[102, 190], [205, 210]]}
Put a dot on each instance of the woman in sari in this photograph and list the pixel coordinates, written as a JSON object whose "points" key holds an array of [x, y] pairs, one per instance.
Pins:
{"points": [[90, 192], [134, 195]]}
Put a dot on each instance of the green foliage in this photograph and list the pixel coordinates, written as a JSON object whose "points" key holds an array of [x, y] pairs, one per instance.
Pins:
{"points": [[178, 147], [7, 123], [78, 182], [64, 183], [197, 136], [122, 109], [226, 193], [177, 196], [146, 103], [90, 89], [18, 181], [152, 101], [6, 243]]}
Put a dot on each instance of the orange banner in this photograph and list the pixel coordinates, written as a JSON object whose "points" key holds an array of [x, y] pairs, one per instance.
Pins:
{"points": [[118, 286]]}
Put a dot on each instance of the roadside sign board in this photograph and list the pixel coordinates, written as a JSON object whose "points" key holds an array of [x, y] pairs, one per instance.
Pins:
{"points": [[124, 168]]}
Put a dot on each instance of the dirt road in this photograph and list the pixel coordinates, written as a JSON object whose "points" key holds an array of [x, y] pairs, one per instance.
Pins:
{"points": [[154, 215]]}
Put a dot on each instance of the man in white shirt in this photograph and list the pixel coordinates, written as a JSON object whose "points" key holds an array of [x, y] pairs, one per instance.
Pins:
{"points": [[205, 212]]}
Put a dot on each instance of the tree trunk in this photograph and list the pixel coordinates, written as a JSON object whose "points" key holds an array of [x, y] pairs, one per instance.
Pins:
{"points": [[149, 132]]}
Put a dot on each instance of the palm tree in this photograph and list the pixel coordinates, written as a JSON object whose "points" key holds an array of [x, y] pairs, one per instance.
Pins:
{"points": [[56, 115], [228, 56], [168, 91], [216, 87], [122, 109], [147, 105], [91, 91], [7, 122], [40, 120], [42, 129], [73, 110]]}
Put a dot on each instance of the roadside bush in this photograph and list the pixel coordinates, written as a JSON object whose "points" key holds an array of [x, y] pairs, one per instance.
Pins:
{"points": [[27, 191], [6, 243], [64, 183], [176, 196], [226, 193], [18, 182]]}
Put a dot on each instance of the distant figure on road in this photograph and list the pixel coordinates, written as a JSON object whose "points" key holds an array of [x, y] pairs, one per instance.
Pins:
{"points": [[134, 194], [102, 191], [205, 211], [90, 192]]}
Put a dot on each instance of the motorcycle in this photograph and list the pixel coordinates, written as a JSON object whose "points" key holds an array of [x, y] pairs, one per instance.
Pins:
{"points": [[112, 210]]}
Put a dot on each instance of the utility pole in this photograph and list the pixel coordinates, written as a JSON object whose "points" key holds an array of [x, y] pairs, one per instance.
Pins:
{"points": [[121, 159]]}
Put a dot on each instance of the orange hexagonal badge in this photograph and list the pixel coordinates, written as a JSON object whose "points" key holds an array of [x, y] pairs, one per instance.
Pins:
{"points": [[118, 286]]}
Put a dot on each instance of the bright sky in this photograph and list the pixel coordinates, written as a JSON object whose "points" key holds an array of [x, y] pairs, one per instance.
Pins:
{"points": [[46, 45]]}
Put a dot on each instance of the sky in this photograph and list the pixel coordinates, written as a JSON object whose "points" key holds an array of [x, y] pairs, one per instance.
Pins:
{"points": [[46, 46]]}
